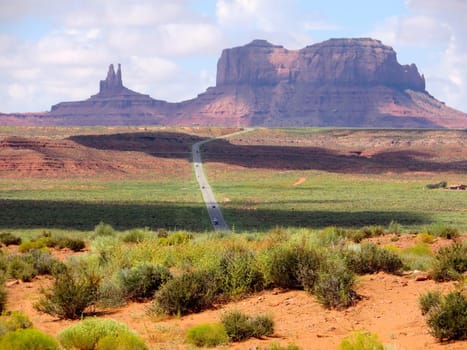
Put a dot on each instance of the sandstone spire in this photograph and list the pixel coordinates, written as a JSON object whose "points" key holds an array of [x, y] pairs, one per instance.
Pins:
{"points": [[113, 82]]}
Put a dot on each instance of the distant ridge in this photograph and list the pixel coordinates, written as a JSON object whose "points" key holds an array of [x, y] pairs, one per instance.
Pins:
{"points": [[348, 82]]}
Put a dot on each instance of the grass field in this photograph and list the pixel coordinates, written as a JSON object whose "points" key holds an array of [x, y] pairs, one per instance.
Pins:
{"points": [[351, 178], [269, 177]]}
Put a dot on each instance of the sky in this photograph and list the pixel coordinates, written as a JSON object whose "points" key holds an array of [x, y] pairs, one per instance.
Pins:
{"points": [[58, 50]]}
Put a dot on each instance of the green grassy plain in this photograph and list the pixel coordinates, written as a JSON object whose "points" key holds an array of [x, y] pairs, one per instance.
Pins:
{"points": [[348, 178]]}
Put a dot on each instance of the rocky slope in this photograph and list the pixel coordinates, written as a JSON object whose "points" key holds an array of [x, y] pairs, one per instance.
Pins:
{"points": [[339, 82]]}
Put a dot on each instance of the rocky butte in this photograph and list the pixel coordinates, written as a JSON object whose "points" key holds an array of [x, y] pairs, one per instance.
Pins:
{"points": [[339, 82]]}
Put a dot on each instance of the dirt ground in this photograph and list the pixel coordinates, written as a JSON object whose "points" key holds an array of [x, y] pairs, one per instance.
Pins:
{"points": [[389, 307]]}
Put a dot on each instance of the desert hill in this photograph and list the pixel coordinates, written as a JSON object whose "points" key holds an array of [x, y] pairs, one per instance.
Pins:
{"points": [[339, 82]]}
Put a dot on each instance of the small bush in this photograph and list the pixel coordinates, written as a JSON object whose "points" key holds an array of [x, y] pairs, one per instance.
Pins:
{"points": [[394, 227], [440, 230], [448, 319], [369, 258], [28, 339], [240, 272], [12, 321], [103, 229], [441, 184], [361, 341], [190, 292], [424, 237], [450, 262], [239, 326], [417, 257], [428, 301], [74, 244], [86, 334], [134, 236], [71, 293], [334, 284], [20, 269], [30, 245], [42, 261], [281, 265], [176, 238], [261, 325], [309, 263], [140, 282], [9, 239], [207, 334], [123, 341]]}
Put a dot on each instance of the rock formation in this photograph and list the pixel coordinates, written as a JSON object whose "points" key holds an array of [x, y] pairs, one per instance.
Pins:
{"points": [[339, 82], [113, 105]]}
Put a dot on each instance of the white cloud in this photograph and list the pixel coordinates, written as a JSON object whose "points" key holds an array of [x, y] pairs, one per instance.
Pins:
{"points": [[436, 28]]}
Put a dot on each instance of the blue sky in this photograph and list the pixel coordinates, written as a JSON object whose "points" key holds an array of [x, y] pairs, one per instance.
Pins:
{"points": [[56, 50]]}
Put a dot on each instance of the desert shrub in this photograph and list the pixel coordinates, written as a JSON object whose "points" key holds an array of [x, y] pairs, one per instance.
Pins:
{"points": [[394, 227], [9, 239], [356, 236], [361, 341], [447, 232], [441, 184], [330, 236], [134, 236], [20, 269], [369, 258], [28, 339], [86, 334], [103, 229], [12, 321], [309, 263], [277, 346], [71, 293], [450, 262], [240, 272], [207, 334], [190, 292], [239, 326], [110, 293], [42, 261], [123, 341], [280, 266], [417, 257], [140, 282], [424, 237], [429, 300], [261, 325], [30, 245], [334, 285], [175, 238], [372, 231], [74, 244], [447, 318]]}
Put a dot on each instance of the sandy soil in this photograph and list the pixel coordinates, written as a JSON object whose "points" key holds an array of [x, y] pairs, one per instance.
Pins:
{"points": [[389, 307]]}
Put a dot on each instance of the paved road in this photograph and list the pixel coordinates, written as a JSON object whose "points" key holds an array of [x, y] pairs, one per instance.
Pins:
{"points": [[214, 212]]}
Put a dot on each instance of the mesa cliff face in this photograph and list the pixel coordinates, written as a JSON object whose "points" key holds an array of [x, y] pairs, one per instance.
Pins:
{"points": [[339, 82]]}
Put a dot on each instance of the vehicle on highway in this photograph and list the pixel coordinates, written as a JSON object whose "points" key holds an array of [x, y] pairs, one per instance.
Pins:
{"points": [[215, 221]]}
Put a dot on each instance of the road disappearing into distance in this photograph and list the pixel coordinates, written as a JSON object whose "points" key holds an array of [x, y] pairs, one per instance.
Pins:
{"points": [[214, 212]]}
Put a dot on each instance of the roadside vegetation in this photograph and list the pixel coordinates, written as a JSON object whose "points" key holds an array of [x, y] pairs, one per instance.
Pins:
{"points": [[181, 272]]}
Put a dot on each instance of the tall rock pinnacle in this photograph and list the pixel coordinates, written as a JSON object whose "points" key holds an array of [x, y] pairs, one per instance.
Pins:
{"points": [[113, 82]]}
